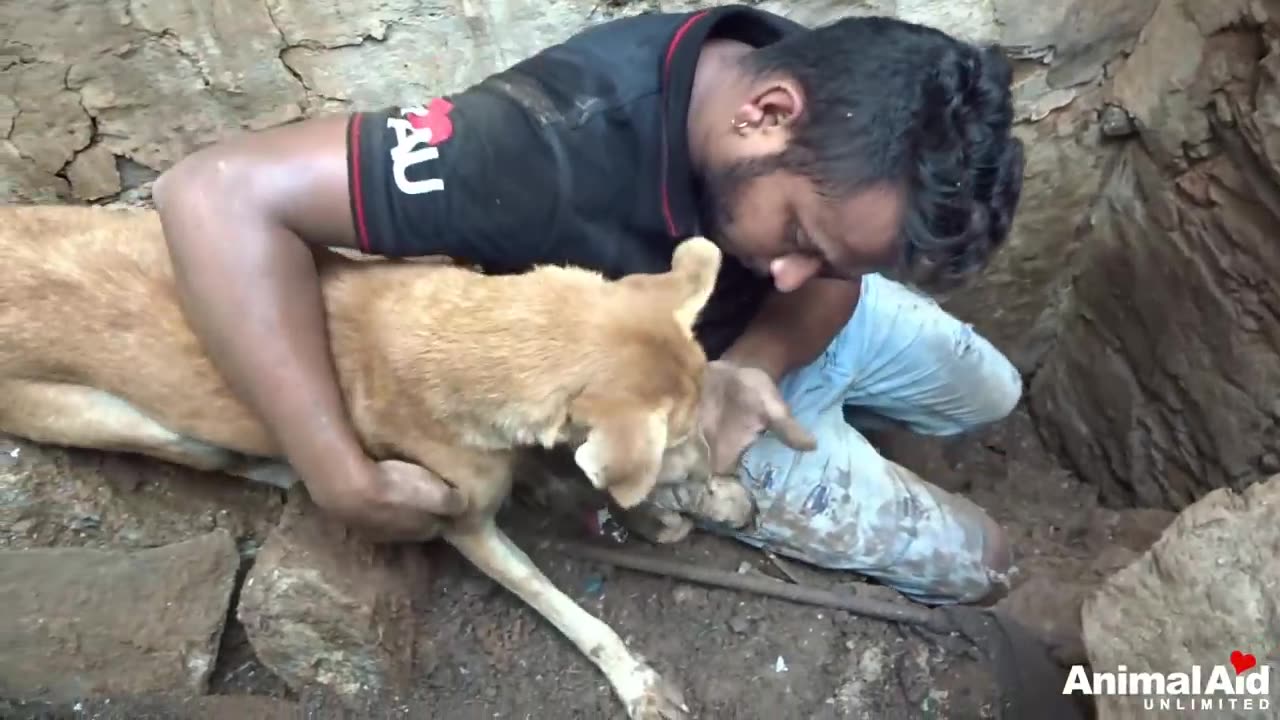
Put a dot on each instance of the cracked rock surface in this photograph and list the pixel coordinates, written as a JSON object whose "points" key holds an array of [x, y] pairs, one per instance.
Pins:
{"points": [[80, 621], [324, 607], [1164, 378], [1207, 588]]}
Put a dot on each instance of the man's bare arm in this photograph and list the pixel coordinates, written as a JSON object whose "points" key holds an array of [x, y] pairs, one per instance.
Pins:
{"points": [[240, 218], [792, 329]]}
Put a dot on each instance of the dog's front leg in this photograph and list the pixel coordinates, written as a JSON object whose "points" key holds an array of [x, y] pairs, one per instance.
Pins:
{"points": [[645, 693]]}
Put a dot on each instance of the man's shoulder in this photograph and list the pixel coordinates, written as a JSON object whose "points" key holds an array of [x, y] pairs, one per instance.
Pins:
{"points": [[569, 149], [664, 27], [618, 60], [603, 66]]}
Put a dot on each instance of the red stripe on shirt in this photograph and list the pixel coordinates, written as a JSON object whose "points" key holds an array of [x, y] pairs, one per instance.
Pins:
{"points": [[666, 70], [362, 230]]}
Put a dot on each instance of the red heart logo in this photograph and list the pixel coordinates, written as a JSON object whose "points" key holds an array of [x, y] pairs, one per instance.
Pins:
{"points": [[1242, 662], [436, 119]]}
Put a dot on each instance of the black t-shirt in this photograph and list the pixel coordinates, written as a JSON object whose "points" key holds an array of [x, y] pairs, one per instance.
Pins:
{"points": [[577, 155]]}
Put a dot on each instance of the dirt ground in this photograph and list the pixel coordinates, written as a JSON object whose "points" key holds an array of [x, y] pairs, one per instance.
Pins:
{"points": [[483, 654]]}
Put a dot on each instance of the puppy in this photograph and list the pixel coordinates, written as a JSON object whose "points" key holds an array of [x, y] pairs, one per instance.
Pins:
{"points": [[439, 365]]}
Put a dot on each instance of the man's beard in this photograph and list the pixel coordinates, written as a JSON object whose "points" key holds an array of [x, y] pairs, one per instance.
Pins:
{"points": [[720, 189]]}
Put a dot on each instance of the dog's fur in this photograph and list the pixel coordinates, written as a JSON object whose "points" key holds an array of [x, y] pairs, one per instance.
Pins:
{"points": [[439, 365]]}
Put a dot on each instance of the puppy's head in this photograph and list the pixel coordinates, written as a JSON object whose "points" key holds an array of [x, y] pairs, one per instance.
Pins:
{"points": [[641, 412]]}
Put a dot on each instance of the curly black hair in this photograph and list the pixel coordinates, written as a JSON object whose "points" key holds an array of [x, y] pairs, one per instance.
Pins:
{"points": [[890, 100]]}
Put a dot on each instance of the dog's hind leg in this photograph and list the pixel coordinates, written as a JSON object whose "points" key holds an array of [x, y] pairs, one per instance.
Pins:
{"points": [[646, 695], [79, 416]]}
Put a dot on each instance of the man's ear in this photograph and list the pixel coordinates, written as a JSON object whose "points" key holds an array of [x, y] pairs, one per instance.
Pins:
{"points": [[623, 454], [694, 268], [775, 103]]}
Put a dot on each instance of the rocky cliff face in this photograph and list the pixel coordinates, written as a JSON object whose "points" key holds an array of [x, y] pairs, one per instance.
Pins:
{"points": [[1162, 383], [1136, 293]]}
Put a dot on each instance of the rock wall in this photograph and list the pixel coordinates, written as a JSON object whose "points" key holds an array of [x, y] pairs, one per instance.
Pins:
{"points": [[1165, 378], [1135, 290]]}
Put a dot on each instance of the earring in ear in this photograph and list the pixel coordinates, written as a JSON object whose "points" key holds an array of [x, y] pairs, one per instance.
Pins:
{"points": [[739, 125]]}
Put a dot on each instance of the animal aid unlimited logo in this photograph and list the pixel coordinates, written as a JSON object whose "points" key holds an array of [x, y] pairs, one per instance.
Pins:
{"points": [[1215, 687], [419, 131]]}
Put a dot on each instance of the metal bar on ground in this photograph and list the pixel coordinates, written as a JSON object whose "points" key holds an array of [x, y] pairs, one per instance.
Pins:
{"points": [[868, 607]]}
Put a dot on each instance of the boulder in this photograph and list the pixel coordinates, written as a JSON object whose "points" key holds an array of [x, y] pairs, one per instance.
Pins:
{"points": [[81, 622], [324, 608], [1208, 589]]}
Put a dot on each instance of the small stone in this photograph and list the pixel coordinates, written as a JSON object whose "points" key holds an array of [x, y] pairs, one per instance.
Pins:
{"points": [[1201, 150], [1269, 463], [93, 174], [683, 593], [87, 522], [1116, 122], [1222, 109]]}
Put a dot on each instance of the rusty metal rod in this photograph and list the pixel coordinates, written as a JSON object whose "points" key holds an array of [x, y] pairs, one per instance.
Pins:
{"points": [[908, 614]]}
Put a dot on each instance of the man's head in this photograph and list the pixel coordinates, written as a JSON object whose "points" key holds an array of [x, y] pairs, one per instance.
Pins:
{"points": [[867, 145]]}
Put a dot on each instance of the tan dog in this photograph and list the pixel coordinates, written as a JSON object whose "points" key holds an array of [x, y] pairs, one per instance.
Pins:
{"points": [[439, 365]]}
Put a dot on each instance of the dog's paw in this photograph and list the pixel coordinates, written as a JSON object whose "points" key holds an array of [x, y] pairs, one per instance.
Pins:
{"points": [[726, 502], [659, 699], [655, 524], [674, 529]]}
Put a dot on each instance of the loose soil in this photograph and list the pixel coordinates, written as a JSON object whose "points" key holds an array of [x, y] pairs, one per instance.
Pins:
{"points": [[483, 654]]}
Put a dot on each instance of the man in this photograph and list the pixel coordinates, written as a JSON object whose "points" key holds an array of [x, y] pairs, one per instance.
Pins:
{"points": [[820, 160]]}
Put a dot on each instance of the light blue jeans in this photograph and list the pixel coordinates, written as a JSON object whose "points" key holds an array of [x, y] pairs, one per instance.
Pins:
{"points": [[844, 506]]}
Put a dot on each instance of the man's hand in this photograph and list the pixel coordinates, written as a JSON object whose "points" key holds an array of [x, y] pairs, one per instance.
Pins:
{"points": [[739, 403], [391, 501]]}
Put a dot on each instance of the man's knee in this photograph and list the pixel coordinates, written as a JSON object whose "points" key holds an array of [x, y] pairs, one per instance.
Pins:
{"points": [[998, 559], [919, 365], [958, 552], [984, 388], [846, 507], [998, 388]]}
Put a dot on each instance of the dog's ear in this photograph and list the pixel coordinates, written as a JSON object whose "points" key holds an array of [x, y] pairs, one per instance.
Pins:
{"points": [[623, 454], [694, 267]]}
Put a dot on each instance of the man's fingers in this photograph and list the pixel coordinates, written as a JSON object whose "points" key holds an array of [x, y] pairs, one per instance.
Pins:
{"points": [[792, 433], [440, 498], [779, 420], [423, 490]]}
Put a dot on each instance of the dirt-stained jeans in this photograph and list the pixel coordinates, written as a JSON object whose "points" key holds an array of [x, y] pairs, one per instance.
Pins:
{"points": [[844, 506]]}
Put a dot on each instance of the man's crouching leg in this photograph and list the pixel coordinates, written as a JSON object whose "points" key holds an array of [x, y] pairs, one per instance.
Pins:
{"points": [[901, 358], [846, 507]]}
